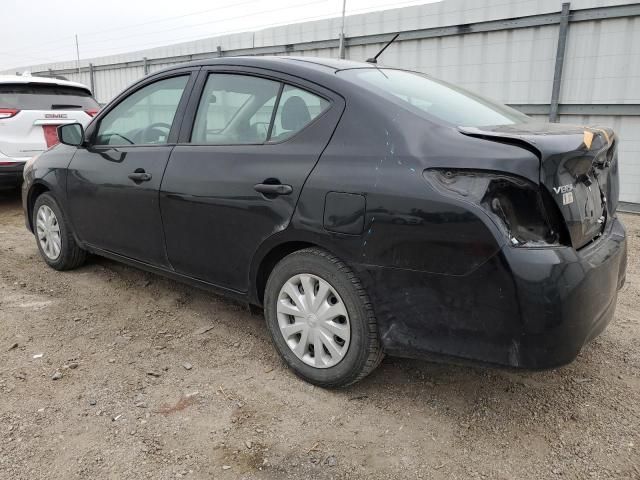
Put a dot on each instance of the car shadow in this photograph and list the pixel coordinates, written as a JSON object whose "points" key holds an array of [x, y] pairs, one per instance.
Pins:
{"points": [[9, 196], [10, 202]]}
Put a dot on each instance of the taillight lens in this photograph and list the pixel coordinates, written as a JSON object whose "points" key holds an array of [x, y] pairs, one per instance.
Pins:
{"points": [[92, 112], [8, 112], [516, 205], [50, 135]]}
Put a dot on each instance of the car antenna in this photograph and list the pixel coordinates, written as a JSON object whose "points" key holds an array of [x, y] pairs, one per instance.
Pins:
{"points": [[375, 59]]}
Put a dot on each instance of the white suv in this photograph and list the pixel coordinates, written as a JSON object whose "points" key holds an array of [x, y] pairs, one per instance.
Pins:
{"points": [[31, 109]]}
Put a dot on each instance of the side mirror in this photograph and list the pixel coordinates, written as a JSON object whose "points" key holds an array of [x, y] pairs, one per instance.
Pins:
{"points": [[71, 134]]}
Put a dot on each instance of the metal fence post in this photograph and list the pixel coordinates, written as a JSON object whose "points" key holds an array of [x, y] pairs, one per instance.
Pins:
{"points": [[557, 74], [341, 44], [92, 82]]}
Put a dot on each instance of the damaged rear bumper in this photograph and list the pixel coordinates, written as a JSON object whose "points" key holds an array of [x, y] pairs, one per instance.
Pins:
{"points": [[531, 308]]}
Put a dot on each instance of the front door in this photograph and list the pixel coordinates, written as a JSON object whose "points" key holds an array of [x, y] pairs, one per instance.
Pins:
{"points": [[113, 183], [236, 175]]}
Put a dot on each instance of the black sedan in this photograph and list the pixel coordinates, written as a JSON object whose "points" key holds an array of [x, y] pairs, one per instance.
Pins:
{"points": [[367, 210]]}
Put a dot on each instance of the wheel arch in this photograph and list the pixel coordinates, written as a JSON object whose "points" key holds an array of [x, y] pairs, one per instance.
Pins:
{"points": [[266, 261], [35, 191]]}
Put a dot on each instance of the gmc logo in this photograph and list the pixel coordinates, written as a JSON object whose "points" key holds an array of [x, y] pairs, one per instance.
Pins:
{"points": [[55, 115], [563, 189]]}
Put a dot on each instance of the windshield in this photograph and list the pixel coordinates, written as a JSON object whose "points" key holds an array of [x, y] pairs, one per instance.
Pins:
{"points": [[442, 100], [42, 96]]}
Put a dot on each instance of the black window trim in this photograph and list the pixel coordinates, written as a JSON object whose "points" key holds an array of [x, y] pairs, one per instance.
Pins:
{"points": [[191, 72], [276, 105], [184, 138]]}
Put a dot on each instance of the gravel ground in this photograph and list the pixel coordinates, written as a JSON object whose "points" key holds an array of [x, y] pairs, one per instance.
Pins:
{"points": [[110, 372]]}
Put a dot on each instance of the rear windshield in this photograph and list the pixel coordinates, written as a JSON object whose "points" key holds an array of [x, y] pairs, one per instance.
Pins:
{"points": [[440, 99], [35, 96]]}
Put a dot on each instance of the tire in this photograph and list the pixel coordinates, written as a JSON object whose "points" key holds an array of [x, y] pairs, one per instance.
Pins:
{"points": [[68, 255], [350, 359]]}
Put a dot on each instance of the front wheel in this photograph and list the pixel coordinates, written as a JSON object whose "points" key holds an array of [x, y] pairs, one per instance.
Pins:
{"points": [[320, 319], [56, 243]]}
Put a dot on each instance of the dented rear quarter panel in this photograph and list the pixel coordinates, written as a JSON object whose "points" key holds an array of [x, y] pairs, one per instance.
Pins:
{"points": [[407, 224]]}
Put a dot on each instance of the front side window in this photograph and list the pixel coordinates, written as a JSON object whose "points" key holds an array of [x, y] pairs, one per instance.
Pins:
{"points": [[145, 117], [297, 108], [439, 99], [235, 109]]}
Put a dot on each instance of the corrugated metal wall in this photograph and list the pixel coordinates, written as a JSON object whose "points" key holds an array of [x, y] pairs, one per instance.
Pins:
{"points": [[506, 60]]}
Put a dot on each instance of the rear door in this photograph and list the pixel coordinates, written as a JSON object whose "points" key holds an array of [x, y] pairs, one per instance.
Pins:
{"points": [[32, 112], [246, 149], [113, 182]]}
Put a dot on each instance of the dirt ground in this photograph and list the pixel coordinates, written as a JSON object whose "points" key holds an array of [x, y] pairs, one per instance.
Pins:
{"points": [[160, 380]]}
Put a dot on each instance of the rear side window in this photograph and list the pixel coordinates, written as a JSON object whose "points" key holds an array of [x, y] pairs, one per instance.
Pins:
{"points": [[36, 96], [235, 109], [144, 117], [239, 110], [297, 108], [452, 104]]}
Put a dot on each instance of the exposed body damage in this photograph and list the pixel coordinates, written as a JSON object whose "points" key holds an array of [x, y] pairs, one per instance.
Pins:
{"points": [[578, 168]]}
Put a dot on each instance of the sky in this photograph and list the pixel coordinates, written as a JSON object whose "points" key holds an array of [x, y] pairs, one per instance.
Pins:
{"points": [[106, 27]]}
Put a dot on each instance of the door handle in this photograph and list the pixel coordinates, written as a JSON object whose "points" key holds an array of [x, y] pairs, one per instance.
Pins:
{"points": [[271, 189], [140, 176]]}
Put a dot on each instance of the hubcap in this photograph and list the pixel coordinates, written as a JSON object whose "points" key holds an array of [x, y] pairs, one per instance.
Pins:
{"points": [[313, 320], [48, 231]]}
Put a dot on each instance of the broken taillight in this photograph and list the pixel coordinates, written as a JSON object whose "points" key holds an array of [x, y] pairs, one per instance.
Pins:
{"points": [[517, 206]]}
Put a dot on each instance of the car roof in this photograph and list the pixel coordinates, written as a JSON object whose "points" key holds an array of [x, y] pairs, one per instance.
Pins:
{"points": [[332, 63], [284, 64], [329, 64], [41, 80]]}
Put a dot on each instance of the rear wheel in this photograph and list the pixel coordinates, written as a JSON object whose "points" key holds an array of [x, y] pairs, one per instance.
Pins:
{"points": [[320, 319], [55, 242]]}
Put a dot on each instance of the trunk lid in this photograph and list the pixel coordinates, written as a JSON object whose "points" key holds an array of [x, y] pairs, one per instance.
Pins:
{"points": [[578, 168]]}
